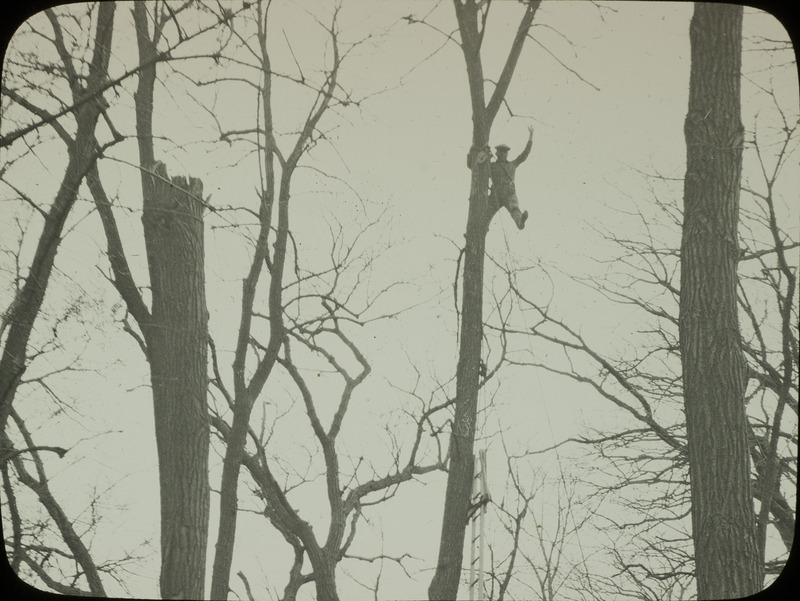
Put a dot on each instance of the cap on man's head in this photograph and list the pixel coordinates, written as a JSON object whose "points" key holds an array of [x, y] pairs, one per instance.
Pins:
{"points": [[502, 148]]}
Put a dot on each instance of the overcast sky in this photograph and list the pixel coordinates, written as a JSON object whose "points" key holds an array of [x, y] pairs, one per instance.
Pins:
{"points": [[606, 89]]}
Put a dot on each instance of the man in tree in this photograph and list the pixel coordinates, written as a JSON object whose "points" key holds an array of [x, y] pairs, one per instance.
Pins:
{"points": [[504, 192]]}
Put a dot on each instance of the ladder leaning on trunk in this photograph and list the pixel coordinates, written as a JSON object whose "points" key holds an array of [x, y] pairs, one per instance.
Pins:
{"points": [[480, 498]]}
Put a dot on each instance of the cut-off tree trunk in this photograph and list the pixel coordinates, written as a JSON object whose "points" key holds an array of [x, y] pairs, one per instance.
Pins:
{"points": [[176, 347]]}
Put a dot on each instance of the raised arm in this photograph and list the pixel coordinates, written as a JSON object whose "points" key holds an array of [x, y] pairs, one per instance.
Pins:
{"points": [[527, 151]]}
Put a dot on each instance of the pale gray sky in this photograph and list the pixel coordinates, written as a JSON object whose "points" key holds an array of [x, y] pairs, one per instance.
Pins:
{"points": [[617, 106]]}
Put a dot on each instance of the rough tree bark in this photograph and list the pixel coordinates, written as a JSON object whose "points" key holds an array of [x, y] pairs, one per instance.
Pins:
{"points": [[175, 343], [714, 367], [176, 350], [176, 336], [471, 22]]}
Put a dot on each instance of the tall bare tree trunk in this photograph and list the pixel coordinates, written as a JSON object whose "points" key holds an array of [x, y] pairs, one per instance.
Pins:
{"points": [[176, 333], [246, 392], [176, 349], [714, 368], [471, 23]]}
